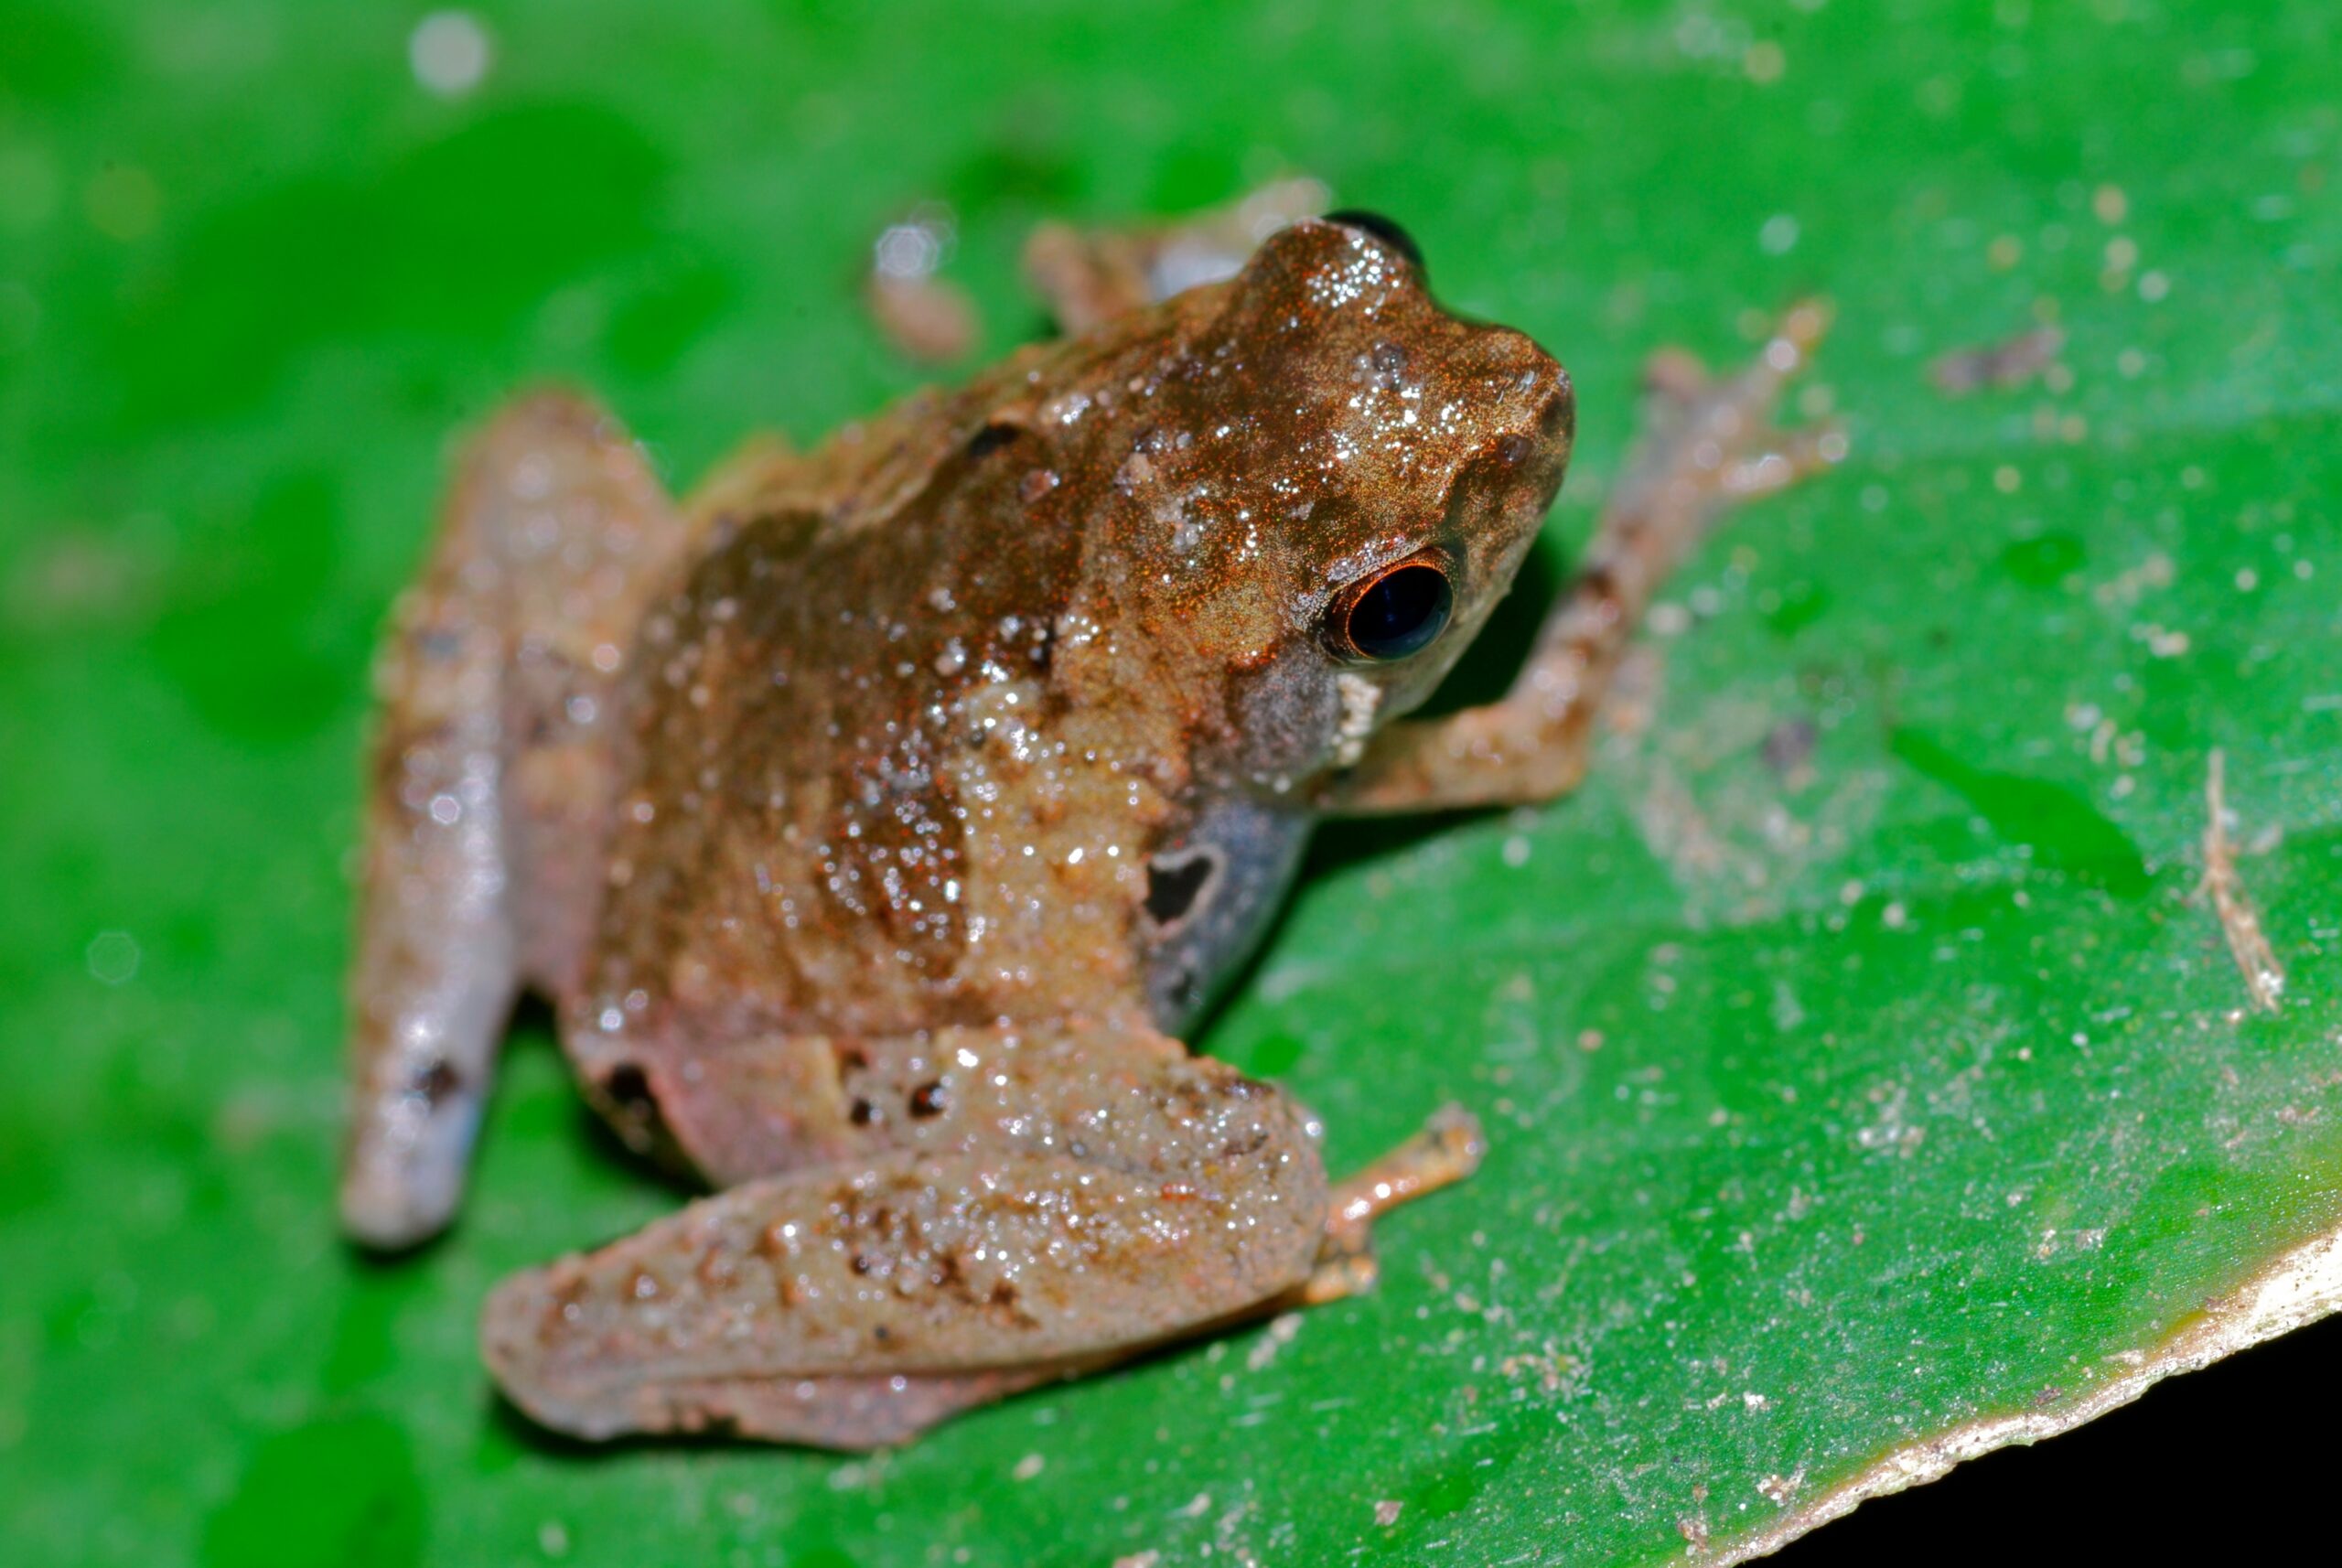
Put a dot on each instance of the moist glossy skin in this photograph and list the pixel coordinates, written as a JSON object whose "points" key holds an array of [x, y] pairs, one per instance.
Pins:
{"points": [[929, 719], [877, 818]]}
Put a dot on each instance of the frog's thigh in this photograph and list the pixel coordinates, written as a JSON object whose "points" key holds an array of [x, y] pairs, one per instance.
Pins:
{"points": [[1709, 443], [491, 690], [1139, 1196], [731, 1109], [737, 1108], [585, 537]]}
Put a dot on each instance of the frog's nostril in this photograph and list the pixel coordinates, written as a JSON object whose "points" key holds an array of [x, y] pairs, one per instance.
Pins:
{"points": [[1557, 421]]}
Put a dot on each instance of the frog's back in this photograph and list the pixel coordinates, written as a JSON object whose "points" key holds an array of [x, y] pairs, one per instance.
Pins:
{"points": [[866, 796]]}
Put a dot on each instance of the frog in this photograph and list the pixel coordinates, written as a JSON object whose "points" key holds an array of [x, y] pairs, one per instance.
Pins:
{"points": [[880, 818]]}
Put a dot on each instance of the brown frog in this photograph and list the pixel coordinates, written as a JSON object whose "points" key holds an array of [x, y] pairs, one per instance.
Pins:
{"points": [[878, 817]]}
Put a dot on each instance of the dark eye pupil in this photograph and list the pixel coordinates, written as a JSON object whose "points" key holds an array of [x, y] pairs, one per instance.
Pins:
{"points": [[1400, 612]]}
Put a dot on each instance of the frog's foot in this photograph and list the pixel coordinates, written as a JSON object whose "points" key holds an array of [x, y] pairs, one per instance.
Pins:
{"points": [[1448, 1150], [1130, 1196], [1710, 444]]}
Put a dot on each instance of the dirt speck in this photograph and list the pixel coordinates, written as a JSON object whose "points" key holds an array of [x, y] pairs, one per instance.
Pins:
{"points": [[925, 318], [1789, 751], [2001, 366], [2264, 977], [1281, 1331]]}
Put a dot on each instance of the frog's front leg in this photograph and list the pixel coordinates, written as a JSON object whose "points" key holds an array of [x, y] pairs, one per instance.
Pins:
{"points": [[1045, 1202], [1710, 444]]}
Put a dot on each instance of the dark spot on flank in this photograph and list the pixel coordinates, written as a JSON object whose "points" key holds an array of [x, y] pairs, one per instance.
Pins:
{"points": [[927, 1100], [437, 1081], [990, 439], [1245, 1145], [634, 1109], [1175, 884], [628, 1089], [1007, 1307], [862, 1114]]}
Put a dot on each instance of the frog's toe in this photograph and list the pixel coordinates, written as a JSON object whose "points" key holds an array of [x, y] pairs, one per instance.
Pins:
{"points": [[404, 1176]]}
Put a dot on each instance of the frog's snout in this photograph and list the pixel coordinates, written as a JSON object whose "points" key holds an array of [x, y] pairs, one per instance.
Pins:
{"points": [[1533, 400]]}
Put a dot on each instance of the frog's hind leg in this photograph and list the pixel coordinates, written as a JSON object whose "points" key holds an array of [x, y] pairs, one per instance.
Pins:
{"points": [[491, 770], [1039, 1203]]}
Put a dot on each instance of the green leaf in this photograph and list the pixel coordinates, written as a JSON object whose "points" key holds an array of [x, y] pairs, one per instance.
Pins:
{"points": [[1868, 1083]]}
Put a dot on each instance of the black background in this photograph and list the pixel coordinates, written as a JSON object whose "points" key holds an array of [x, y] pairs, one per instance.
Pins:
{"points": [[2242, 1456]]}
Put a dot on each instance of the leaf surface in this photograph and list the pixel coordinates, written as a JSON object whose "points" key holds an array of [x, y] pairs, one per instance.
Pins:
{"points": [[1867, 1083]]}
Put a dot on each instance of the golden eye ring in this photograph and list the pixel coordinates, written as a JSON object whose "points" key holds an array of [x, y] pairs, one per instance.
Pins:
{"points": [[1391, 613]]}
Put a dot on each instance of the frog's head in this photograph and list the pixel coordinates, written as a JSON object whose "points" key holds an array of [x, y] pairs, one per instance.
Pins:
{"points": [[1349, 480]]}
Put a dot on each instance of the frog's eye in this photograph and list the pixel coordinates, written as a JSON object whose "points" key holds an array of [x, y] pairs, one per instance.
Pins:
{"points": [[1382, 228], [1391, 613]]}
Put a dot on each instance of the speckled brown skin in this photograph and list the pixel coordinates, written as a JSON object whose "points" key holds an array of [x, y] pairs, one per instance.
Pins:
{"points": [[878, 817]]}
